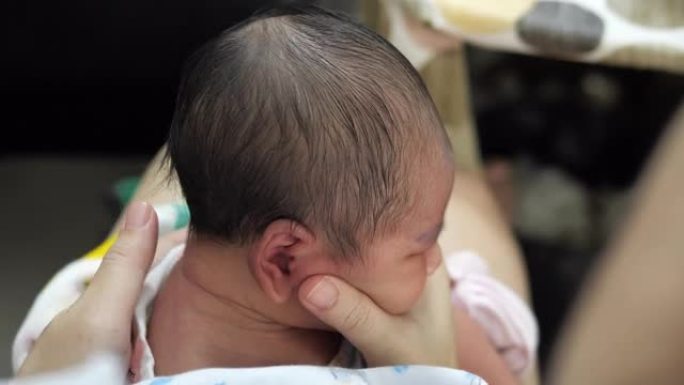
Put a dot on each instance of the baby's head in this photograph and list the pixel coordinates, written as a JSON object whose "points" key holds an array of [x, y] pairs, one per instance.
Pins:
{"points": [[309, 142]]}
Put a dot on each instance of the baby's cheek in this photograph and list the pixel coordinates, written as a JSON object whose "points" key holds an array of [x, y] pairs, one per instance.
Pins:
{"points": [[402, 291]]}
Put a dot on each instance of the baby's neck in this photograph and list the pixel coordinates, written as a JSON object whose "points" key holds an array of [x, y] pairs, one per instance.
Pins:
{"points": [[209, 313]]}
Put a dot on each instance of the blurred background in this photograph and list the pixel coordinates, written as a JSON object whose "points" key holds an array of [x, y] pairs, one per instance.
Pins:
{"points": [[87, 92]]}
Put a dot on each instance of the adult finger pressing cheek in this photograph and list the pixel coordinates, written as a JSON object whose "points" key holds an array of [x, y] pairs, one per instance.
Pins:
{"points": [[423, 336]]}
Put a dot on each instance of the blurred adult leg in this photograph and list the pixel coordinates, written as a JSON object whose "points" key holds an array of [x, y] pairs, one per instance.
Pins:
{"points": [[628, 324]]}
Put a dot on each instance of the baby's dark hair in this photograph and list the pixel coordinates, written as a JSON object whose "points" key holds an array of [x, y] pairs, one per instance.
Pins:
{"points": [[301, 114]]}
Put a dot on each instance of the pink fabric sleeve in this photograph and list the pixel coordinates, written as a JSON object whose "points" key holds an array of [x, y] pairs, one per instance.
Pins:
{"points": [[504, 316]]}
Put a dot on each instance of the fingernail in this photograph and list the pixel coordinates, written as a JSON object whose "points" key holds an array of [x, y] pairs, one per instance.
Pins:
{"points": [[323, 295], [137, 215]]}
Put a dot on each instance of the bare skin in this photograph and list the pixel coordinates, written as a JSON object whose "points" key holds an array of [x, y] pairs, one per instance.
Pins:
{"points": [[226, 329]]}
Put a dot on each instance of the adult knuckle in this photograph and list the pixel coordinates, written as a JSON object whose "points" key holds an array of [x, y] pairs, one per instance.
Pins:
{"points": [[117, 252], [358, 318]]}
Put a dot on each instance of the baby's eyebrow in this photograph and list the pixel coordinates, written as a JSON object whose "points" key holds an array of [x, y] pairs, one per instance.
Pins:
{"points": [[431, 235]]}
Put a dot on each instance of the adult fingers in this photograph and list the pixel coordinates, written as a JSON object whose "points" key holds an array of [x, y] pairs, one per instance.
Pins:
{"points": [[348, 311], [115, 289]]}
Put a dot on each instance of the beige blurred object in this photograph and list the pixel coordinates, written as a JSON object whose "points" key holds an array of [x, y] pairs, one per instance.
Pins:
{"points": [[447, 80], [631, 33], [661, 57], [443, 68], [651, 13], [483, 16], [661, 14]]}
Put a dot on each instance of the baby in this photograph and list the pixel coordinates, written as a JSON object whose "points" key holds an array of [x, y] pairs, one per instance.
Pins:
{"points": [[305, 145]]}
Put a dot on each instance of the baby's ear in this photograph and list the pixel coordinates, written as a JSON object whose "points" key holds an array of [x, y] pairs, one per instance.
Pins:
{"points": [[276, 258]]}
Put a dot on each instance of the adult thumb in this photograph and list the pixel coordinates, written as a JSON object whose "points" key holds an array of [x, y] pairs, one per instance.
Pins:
{"points": [[118, 282], [349, 311]]}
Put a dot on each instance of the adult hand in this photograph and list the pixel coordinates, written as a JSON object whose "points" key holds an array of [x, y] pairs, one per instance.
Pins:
{"points": [[424, 336], [100, 320]]}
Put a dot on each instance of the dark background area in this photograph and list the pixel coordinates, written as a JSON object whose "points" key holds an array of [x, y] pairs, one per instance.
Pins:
{"points": [[93, 77], [87, 92]]}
